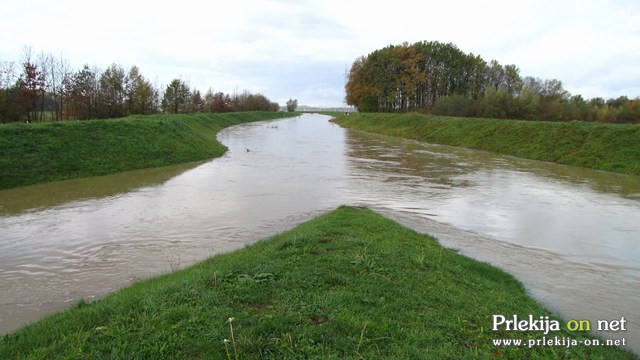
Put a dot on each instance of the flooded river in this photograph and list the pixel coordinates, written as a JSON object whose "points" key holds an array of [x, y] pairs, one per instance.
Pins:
{"points": [[571, 235]]}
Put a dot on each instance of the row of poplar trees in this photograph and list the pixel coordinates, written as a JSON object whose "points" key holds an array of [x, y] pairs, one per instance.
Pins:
{"points": [[441, 79]]}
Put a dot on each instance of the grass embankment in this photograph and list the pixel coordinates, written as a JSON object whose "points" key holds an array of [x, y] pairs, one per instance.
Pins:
{"points": [[349, 284], [609, 147], [37, 153]]}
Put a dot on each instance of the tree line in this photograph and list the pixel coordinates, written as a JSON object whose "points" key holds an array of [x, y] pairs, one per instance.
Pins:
{"points": [[46, 88], [441, 79]]}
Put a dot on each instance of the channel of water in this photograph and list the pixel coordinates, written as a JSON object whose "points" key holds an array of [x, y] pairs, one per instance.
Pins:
{"points": [[571, 235]]}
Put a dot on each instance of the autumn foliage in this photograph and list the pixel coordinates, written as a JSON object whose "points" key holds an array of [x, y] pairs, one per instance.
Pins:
{"points": [[443, 80], [47, 89]]}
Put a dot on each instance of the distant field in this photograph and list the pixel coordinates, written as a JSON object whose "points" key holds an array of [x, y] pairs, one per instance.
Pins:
{"points": [[609, 147], [36, 153]]}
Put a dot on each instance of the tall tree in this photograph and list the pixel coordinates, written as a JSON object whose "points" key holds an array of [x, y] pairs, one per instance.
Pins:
{"points": [[292, 105], [512, 83], [176, 97], [360, 88], [476, 76], [495, 74], [80, 91], [133, 82], [197, 102], [63, 74], [112, 92], [30, 89], [218, 102], [140, 94], [52, 82], [8, 92], [222, 102], [412, 77]]}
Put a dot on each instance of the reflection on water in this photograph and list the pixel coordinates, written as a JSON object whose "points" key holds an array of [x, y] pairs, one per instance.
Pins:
{"points": [[42, 196], [528, 203], [569, 234]]}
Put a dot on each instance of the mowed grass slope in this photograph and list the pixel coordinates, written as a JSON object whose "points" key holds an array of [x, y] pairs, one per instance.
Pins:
{"points": [[36, 153], [349, 284], [609, 147]]}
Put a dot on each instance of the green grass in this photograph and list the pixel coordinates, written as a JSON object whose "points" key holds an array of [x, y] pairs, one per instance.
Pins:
{"points": [[349, 284], [37, 153], [608, 147]]}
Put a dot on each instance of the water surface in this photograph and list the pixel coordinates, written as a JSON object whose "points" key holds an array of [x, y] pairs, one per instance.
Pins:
{"points": [[570, 234]]}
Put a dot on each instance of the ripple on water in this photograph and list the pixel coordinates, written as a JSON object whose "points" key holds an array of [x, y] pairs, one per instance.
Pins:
{"points": [[569, 234]]}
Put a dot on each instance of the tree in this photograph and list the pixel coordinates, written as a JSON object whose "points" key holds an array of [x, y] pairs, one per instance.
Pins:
{"points": [[360, 90], [8, 93], [476, 76], [197, 102], [141, 96], [292, 105], [456, 105], [7, 74], [147, 98], [497, 104], [512, 82], [246, 101], [80, 92], [553, 101], [218, 102], [619, 102], [208, 101], [526, 105], [413, 77], [176, 97], [133, 84], [629, 111], [62, 71], [495, 74], [112, 92], [577, 108], [31, 87], [53, 76]]}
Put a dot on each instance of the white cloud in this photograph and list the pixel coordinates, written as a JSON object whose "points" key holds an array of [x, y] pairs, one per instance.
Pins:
{"points": [[300, 48]]}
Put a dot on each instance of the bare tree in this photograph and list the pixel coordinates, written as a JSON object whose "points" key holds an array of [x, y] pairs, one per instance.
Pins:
{"points": [[44, 63], [7, 74], [63, 72]]}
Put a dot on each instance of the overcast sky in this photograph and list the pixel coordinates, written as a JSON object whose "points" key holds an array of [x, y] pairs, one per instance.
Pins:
{"points": [[300, 49]]}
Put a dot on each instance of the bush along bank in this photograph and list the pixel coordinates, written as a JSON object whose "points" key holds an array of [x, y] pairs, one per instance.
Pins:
{"points": [[43, 152], [348, 284], [608, 147]]}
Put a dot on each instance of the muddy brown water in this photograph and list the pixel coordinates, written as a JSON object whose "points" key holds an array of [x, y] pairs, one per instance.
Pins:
{"points": [[571, 235]]}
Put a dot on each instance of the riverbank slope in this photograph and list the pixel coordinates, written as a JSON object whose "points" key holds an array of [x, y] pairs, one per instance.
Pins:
{"points": [[37, 153], [349, 283], [608, 147]]}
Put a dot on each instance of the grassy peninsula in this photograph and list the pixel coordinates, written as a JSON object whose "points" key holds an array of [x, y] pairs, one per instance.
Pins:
{"points": [[37, 153], [609, 147], [348, 284]]}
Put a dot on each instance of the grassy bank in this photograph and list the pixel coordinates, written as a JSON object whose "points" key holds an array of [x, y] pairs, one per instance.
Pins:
{"points": [[349, 284], [36, 153], [608, 147]]}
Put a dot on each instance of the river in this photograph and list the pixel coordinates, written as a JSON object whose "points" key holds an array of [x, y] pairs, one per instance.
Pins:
{"points": [[571, 235]]}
